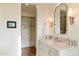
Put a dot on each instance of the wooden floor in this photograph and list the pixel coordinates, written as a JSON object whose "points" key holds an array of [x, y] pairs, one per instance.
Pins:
{"points": [[30, 51]]}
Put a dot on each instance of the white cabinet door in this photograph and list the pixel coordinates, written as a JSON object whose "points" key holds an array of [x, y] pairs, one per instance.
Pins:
{"points": [[42, 49]]}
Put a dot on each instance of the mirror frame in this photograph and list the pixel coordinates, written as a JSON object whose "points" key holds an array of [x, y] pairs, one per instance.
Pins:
{"points": [[54, 16]]}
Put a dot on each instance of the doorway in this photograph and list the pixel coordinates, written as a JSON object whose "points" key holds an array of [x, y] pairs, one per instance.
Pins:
{"points": [[28, 27]]}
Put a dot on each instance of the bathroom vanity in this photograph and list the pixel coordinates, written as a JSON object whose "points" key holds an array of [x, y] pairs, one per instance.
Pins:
{"points": [[56, 46], [47, 47]]}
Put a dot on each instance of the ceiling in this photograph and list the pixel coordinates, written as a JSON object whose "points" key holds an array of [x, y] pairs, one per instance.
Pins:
{"points": [[30, 7], [30, 10]]}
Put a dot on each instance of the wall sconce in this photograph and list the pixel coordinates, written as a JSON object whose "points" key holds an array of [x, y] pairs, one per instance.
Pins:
{"points": [[70, 14], [50, 22]]}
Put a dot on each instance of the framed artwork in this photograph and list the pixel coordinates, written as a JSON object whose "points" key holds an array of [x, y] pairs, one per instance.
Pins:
{"points": [[11, 24]]}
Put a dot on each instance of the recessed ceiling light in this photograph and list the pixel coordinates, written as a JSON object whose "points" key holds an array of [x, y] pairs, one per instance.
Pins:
{"points": [[26, 4], [36, 6]]}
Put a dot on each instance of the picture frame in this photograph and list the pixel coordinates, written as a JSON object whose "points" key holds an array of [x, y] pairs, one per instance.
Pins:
{"points": [[11, 24]]}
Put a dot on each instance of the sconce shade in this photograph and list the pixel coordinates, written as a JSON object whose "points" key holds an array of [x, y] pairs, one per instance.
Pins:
{"points": [[70, 12], [50, 22]]}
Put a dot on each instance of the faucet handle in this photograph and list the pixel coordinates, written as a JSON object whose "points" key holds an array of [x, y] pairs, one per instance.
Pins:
{"points": [[72, 43], [56, 39]]}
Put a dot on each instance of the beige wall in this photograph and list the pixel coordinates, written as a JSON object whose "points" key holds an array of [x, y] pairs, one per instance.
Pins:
{"points": [[73, 30], [10, 38]]}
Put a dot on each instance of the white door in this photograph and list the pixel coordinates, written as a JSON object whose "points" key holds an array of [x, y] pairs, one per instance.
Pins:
{"points": [[25, 42]]}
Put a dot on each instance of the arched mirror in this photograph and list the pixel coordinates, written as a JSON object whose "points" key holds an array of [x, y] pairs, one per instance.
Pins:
{"points": [[60, 16]]}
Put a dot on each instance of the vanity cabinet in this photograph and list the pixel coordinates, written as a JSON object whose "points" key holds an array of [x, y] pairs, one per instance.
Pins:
{"points": [[46, 50]]}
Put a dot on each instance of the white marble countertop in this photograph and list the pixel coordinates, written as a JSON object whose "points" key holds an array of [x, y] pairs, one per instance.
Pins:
{"points": [[56, 45]]}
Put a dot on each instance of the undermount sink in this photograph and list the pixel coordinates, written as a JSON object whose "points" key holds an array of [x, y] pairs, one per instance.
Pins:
{"points": [[57, 45], [69, 52]]}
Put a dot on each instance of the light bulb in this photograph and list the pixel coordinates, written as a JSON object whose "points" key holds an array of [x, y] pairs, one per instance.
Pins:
{"points": [[50, 19], [50, 22]]}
